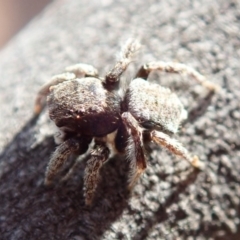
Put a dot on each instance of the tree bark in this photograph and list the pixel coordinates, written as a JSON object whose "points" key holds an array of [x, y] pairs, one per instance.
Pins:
{"points": [[171, 200]]}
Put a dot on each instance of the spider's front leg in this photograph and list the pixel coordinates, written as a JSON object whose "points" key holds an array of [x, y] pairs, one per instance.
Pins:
{"points": [[135, 148], [175, 147], [82, 70], [179, 68], [72, 72], [99, 156], [60, 157], [126, 56]]}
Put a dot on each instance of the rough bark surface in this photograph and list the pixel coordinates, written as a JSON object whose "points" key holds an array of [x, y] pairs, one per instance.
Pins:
{"points": [[171, 201]]}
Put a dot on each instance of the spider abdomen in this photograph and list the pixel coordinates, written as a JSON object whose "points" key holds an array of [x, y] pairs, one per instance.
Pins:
{"points": [[154, 106]]}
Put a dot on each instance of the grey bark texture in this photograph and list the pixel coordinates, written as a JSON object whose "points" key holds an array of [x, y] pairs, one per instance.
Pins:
{"points": [[171, 200]]}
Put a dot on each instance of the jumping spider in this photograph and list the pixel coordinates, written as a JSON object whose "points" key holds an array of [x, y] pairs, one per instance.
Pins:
{"points": [[89, 109]]}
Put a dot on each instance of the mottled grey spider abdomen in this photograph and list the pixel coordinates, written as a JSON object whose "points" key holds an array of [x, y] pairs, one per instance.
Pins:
{"points": [[155, 106]]}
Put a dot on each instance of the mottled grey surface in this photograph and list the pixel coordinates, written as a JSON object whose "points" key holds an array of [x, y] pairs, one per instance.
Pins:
{"points": [[170, 201]]}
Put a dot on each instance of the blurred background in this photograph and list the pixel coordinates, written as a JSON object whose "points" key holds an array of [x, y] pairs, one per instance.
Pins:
{"points": [[15, 14]]}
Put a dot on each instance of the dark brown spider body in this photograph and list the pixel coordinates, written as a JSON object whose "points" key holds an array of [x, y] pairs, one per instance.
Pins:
{"points": [[88, 109]]}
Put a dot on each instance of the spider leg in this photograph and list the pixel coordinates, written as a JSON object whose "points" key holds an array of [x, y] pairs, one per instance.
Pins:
{"points": [[82, 70], [99, 155], [126, 56], [135, 148], [175, 147], [74, 166], [179, 68], [59, 158]]}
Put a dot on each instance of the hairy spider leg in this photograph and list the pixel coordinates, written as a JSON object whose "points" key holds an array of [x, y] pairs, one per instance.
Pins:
{"points": [[82, 70], [74, 166], [175, 147], [179, 68], [60, 157], [126, 56], [99, 156], [135, 148], [72, 72]]}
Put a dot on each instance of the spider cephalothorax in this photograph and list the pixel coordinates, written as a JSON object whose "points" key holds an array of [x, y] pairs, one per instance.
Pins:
{"points": [[89, 109]]}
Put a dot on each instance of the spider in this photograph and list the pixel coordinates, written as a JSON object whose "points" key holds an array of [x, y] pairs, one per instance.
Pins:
{"points": [[96, 116]]}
